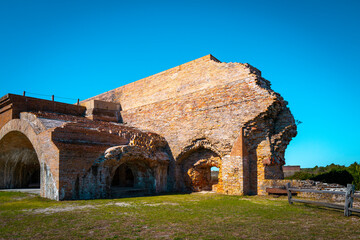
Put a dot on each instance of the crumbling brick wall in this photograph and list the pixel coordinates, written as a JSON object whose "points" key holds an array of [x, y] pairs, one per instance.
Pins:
{"points": [[198, 115], [75, 155], [213, 101]]}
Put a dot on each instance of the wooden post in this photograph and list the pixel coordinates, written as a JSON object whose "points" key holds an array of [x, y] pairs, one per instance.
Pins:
{"points": [[78, 102], [349, 199], [24, 93], [52, 97], [289, 193]]}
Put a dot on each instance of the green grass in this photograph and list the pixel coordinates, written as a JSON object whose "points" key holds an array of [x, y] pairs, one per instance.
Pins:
{"points": [[186, 216]]}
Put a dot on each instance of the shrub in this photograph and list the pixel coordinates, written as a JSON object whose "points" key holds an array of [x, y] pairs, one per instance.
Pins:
{"points": [[342, 177], [301, 176]]}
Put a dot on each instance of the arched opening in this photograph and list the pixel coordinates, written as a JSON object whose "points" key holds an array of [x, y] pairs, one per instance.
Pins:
{"points": [[123, 177], [214, 171], [133, 178], [200, 170], [19, 164]]}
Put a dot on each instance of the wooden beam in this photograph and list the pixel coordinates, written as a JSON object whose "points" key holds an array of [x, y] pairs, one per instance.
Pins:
{"points": [[330, 205], [349, 199], [289, 193], [354, 210], [316, 191]]}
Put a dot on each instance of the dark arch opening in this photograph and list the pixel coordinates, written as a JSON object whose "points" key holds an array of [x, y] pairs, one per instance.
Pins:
{"points": [[123, 177], [35, 179], [19, 164], [132, 178]]}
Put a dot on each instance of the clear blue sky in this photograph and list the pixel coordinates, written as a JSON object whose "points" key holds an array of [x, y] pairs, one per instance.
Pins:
{"points": [[309, 50]]}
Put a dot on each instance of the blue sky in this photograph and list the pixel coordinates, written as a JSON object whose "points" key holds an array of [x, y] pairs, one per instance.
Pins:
{"points": [[309, 50]]}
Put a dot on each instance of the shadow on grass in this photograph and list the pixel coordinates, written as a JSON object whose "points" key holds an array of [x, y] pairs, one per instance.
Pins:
{"points": [[340, 211]]}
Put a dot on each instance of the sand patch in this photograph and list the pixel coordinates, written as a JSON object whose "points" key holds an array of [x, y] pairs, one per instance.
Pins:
{"points": [[59, 209], [122, 204], [159, 204]]}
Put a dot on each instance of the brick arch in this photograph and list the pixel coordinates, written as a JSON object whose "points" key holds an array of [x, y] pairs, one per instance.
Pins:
{"points": [[142, 162], [19, 163], [147, 169], [144, 179], [28, 142], [193, 167], [23, 127], [195, 145]]}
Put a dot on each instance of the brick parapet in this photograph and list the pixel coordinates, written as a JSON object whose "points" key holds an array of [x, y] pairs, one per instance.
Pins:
{"points": [[11, 105]]}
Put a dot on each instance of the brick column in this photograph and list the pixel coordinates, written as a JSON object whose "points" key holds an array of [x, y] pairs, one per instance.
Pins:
{"points": [[235, 168]]}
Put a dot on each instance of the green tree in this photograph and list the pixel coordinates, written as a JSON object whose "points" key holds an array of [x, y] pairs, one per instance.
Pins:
{"points": [[342, 177], [302, 175], [332, 173], [354, 169]]}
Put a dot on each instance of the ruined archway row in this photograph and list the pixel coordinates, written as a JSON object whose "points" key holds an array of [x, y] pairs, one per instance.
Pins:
{"points": [[70, 161], [23, 165], [27, 163], [199, 115]]}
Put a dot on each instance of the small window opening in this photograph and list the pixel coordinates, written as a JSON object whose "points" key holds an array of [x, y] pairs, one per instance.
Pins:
{"points": [[214, 175]]}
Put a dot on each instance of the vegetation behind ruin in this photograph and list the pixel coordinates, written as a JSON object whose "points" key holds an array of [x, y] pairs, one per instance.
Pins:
{"points": [[332, 173]]}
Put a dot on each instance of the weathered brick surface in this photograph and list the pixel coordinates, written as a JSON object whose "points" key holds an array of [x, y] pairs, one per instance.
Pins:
{"points": [[206, 99], [24, 137], [198, 115], [71, 153]]}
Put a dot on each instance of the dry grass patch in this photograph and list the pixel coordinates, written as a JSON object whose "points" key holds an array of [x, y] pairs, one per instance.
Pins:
{"points": [[184, 216]]}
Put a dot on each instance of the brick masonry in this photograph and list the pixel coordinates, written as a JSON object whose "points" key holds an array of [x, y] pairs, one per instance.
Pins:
{"points": [[169, 129], [217, 103]]}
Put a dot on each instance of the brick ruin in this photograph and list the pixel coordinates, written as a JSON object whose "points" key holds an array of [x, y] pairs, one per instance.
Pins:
{"points": [[163, 133]]}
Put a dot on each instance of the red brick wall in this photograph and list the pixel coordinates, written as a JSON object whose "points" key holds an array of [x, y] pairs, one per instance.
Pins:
{"points": [[202, 73], [206, 99], [216, 114], [199, 99]]}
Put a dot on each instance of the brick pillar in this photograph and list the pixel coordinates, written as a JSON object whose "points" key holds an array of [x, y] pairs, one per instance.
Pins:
{"points": [[235, 168], [263, 152]]}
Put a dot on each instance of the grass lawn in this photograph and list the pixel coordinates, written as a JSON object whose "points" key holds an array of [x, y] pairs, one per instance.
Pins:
{"points": [[185, 216]]}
